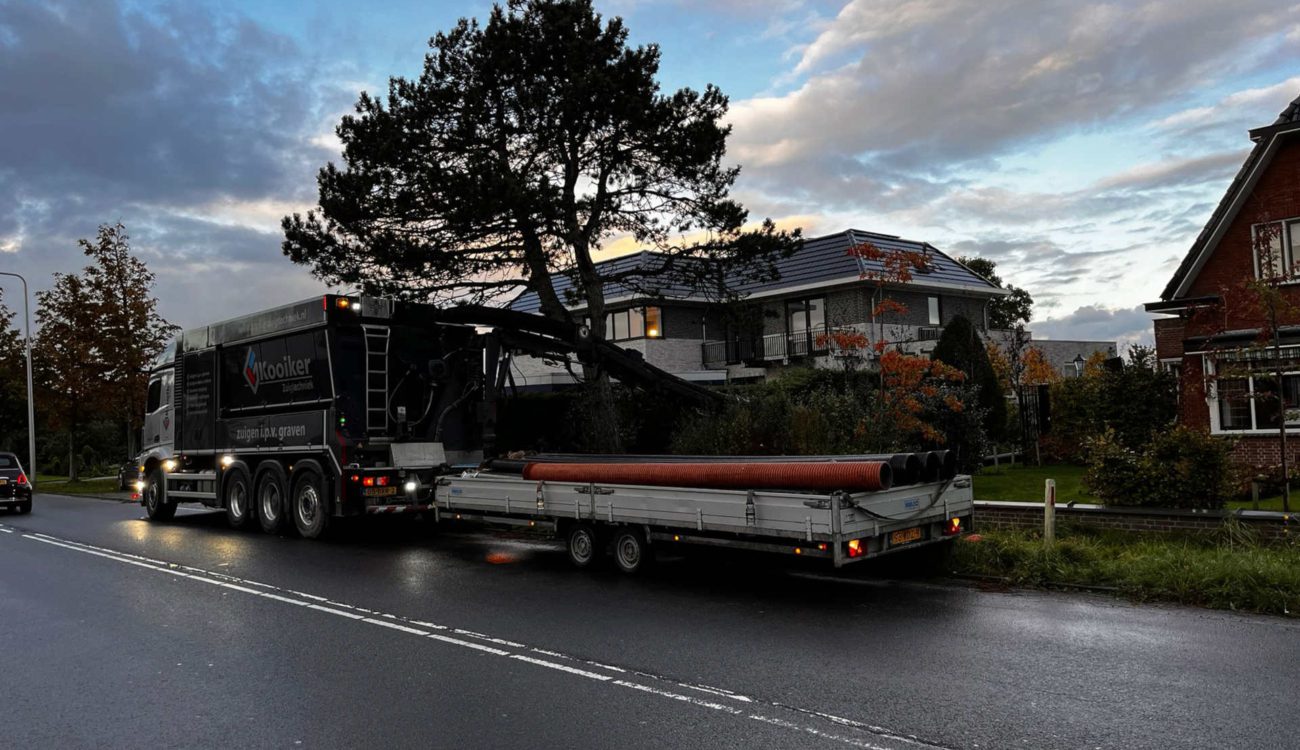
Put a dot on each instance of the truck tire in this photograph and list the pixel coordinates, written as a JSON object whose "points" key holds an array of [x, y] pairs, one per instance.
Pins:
{"points": [[238, 498], [155, 497], [311, 512], [270, 494], [582, 545], [631, 553]]}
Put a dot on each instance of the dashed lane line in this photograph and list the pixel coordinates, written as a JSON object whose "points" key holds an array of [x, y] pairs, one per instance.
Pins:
{"points": [[494, 646]]}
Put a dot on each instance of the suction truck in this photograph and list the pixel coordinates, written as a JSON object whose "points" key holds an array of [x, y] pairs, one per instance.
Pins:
{"points": [[296, 418]]}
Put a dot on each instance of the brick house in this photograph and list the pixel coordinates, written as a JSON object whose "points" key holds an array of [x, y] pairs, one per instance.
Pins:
{"points": [[775, 324], [1208, 335]]}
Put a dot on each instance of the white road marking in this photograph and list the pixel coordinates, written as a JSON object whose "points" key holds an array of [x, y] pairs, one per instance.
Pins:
{"points": [[405, 625]]}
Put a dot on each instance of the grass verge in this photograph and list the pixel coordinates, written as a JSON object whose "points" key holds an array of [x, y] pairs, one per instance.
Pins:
{"points": [[1227, 571], [61, 486]]}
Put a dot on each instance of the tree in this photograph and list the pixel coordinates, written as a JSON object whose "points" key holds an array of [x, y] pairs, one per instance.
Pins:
{"points": [[523, 147], [1004, 312], [960, 345], [69, 357], [13, 385], [120, 286]]}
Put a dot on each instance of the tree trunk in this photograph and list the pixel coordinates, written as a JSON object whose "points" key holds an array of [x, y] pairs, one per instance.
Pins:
{"points": [[602, 433]]}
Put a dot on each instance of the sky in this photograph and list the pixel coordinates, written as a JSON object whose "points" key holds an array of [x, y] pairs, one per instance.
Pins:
{"points": [[1080, 145]]}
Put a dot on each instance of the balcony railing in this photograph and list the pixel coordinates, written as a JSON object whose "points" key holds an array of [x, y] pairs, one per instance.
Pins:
{"points": [[773, 346], [781, 346]]}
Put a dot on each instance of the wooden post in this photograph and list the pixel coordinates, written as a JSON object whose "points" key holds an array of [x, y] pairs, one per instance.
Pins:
{"points": [[1254, 494], [1049, 512]]}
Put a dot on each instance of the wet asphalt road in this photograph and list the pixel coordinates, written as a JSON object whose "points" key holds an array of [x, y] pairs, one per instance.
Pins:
{"points": [[115, 632]]}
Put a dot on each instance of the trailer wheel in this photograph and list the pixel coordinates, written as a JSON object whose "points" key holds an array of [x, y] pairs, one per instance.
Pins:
{"points": [[155, 497], [582, 545], [631, 553], [270, 498], [238, 498], [310, 508]]}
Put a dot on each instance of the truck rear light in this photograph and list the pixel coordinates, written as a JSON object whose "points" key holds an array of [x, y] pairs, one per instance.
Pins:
{"points": [[382, 481], [368, 482], [856, 549], [952, 527]]}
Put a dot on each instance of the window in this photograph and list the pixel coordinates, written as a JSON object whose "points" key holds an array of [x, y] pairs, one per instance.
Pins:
{"points": [[154, 399], [654, 327], [805, 315], [934, 311], [634, 323], [1252, 403], [1275, 246]]}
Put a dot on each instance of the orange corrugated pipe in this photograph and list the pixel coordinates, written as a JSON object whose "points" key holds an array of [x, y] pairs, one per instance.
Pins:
{"points": [[855, 476]]}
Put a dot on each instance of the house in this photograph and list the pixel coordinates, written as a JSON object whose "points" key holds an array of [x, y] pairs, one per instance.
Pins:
{"points": [[762, 327], [1208, 329]]}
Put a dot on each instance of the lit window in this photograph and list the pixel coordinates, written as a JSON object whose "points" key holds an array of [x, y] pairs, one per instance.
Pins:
{"points": [[653, 323]]}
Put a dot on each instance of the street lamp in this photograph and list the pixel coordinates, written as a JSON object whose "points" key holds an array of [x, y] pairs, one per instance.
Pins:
{"points": [[1078, 365], [31, 395]]}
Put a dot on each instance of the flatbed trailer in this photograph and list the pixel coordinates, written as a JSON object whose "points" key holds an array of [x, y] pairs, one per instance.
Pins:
{"points": [[626, 520]]}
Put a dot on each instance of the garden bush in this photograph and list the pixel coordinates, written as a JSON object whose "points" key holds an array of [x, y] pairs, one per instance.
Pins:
{"points": [[1178, 468]]}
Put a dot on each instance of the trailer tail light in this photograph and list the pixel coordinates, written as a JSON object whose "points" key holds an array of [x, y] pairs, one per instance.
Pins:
{"points": [[856, 549], [952, 527]]}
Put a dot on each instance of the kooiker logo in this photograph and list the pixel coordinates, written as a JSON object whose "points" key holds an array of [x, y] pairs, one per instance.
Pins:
{"points": [[257, 372]]}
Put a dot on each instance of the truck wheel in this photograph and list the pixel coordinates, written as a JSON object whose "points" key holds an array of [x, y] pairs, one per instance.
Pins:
{"points": [[310, 508], [238, 498], [155, 497], [270, 499], [631, 553], [582, 545]]}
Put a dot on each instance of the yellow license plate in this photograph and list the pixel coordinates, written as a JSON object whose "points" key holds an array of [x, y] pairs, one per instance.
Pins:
{"points": [[381, 491], [905, 536], [3, 481]]}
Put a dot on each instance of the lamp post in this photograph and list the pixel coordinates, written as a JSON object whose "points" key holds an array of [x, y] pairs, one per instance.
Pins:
{"points": [[1078, 365], [31, 394]]}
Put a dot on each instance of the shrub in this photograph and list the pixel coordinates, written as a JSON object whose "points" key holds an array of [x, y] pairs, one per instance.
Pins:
{"points": [[1179, 468]]}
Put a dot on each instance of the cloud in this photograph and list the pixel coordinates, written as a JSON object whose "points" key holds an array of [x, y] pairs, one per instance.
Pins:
{"points": [[921, 88], [197, 129], [1099, 323]]}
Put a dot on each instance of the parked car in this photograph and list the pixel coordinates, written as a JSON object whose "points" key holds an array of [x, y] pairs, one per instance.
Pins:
{"points": [[15, 488], [127, 474]]}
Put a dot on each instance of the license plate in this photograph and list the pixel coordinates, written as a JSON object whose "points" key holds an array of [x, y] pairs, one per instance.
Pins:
{"points": [[905, 536], [3, 481], [381, 491]]}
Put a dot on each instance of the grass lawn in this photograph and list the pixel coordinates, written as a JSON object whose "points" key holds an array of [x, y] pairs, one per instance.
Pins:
{"points": [[61, 485], [1224, 571], [1025, 483]]}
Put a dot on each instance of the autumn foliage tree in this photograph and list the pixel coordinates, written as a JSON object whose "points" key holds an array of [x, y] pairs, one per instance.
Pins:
{"points": [[98, 333], [13, 384], [69, 358]]}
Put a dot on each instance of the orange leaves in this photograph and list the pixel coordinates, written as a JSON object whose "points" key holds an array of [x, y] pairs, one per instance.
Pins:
{"points": [[909, 383], [897, 265], [1038, 370], [846, 340]]}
